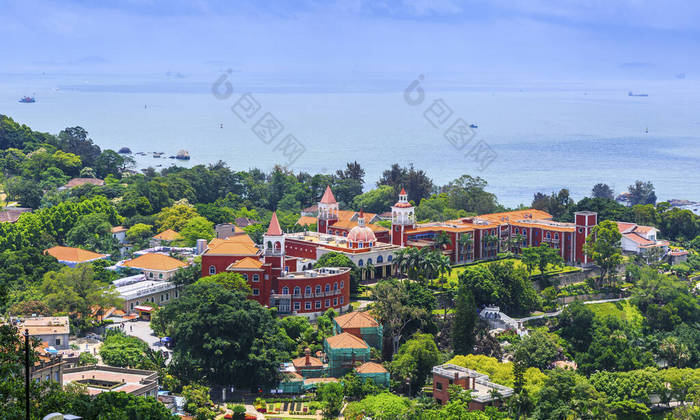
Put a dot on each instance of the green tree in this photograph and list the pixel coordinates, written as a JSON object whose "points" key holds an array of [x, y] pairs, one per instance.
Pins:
{"points": [[223, 338], [377, 200], [199, 403], [121, 350], [139, 232], [86, 358], [603, 247], [25, 191], [331, 394], [75, 291], [392, 311], [384, 406], [176, 216], [602, 191], [464, 322], [642, 193], [567, 394], [197, 228], [414, 361], [537, 350]]}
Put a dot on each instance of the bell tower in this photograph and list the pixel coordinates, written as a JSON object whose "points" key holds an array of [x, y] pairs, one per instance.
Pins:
{"points": [[403, 218], [273, 244], [327, 211]]}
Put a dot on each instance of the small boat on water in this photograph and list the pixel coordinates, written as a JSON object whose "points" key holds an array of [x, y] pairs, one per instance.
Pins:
{"points": [[473, 126], [637, 94], [27, 100], [183, 155]]}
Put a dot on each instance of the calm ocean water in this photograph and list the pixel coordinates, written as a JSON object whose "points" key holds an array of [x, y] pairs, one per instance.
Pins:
{"points": [[546, 135]]}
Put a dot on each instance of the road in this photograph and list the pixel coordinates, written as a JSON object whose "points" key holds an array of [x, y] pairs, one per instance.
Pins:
{"points": [[142, 330]]}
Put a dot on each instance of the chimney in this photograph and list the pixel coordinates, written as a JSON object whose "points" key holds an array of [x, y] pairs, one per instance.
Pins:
{"points": [[308, 356], [456, 377]]}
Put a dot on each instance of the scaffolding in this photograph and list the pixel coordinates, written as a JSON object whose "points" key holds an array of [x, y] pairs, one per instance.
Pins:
{"points": [[343, 360], [379, 378], [374, 336]]}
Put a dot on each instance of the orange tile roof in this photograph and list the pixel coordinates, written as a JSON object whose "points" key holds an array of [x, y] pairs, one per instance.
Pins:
{"points": [[504, 217], [637, 238], [306, 221], [235, 245], [349, 224], [623, 226], [346, 341], [167, 235], [310, 381], [560, 227], [356, 320], [301, 362], [370, 367], [77, 255], [247, 262], [117, 229], [155, 262], [82, 181]]}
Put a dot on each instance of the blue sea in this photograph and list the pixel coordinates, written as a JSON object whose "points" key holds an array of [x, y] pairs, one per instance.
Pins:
{"points": [[535, 135]]}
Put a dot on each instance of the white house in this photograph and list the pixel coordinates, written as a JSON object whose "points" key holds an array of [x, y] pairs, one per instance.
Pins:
{"points": [[637, 238]]}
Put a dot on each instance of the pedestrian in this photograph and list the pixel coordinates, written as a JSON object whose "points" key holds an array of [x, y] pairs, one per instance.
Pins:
{"points": [[131, 328]]}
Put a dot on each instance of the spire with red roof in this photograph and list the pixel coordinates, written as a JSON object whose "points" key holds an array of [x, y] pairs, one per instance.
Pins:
{"points": [[328, 197], [274, 228]]}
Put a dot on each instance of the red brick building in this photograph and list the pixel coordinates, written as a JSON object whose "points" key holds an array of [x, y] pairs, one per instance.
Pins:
{"points": [[277, 280], [483, 391]]}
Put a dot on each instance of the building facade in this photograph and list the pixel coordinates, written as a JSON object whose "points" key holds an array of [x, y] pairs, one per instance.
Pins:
{"points": [[276, 279]]}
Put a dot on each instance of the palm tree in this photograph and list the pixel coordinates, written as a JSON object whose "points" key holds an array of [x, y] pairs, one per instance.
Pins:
{"points": [[465, 241], [443, 267], [442, 239], [430, 264], [490, 240], [400, 259]]}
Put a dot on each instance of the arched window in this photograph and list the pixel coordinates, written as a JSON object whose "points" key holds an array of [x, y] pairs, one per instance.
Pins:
{"points": [[328, 288], [278, 247], [380, 259], [335, 286], [389, 258], [297, 290], [307, 290], [369, 261], [285, 290], [342, 284], [150, 274], [269, 245], [360, 263], [160, 275], [318, 289]]}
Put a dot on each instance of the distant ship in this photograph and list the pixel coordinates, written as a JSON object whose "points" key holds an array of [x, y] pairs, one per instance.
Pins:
{"points": [[473, 126], [27, 100], [637, 94]]}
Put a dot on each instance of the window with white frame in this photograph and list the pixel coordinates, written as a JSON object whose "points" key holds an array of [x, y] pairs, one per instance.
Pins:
{"points": [[256, 277], [256, 292]]}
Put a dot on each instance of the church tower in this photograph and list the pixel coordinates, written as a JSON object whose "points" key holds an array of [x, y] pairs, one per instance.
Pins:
{"points": [[403, 218], [273, 244], [327, 211]]}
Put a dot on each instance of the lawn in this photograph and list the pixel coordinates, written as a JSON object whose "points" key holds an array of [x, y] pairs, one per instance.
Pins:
{"points": [[453, 278], [622, 310]]}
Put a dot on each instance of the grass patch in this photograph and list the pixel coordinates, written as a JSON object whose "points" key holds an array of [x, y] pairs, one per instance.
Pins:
{"points": [[623, 310], [453, 277]]}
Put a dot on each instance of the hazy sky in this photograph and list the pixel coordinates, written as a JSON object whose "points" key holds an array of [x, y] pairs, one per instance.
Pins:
{"points": [[501, 39]]}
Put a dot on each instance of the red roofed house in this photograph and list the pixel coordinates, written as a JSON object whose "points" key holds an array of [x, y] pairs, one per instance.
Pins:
{"points": [[156, 266], [361, 325], [277, 279], [76, 182], [73, 256], [637, 238]]}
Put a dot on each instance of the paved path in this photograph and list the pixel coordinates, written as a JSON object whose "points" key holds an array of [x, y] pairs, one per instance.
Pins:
{"points": [[142, 330], [556, 313]]}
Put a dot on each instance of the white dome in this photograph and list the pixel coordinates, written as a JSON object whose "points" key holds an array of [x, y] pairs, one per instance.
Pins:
{"points": [[361, 234]]}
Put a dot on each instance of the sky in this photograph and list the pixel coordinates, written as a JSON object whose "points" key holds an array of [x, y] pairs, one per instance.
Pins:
{"points": [[355, 40]]}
